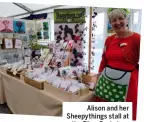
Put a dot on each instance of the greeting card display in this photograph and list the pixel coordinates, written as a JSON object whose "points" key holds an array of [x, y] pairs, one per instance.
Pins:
{"points": [[19, 26], [18, 44], [6, 25], [8, 43]]}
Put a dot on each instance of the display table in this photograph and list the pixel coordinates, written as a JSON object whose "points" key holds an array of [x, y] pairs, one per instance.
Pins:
{"points": [[24, 99], [2, 95]]}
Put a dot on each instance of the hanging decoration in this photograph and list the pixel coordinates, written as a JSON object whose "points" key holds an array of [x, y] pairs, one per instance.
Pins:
{"points": [[93, 42]]}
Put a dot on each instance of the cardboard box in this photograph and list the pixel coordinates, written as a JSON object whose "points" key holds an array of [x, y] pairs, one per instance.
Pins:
{"points": [[36, 84], [11, 74], [89, 78], [64, 95]]}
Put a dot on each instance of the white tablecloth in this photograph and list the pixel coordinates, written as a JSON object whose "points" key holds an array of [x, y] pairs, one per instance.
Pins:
{"points": [[24, 99]]}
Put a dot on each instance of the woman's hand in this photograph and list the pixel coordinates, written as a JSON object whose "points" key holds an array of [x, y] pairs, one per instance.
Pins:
{"points": [[98, 75]]}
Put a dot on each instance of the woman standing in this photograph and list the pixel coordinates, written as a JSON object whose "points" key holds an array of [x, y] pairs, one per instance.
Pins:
{"points": [[118, 71]]}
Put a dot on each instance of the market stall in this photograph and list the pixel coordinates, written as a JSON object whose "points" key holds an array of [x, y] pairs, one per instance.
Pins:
{"points": [[25, 99], [38, 73]]}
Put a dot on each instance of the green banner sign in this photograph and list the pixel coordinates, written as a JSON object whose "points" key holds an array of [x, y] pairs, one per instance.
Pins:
{"points": [[76, 15]]}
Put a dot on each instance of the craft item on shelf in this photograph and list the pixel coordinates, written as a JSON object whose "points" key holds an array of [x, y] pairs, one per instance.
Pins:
{"points": [[19, 26], [18, 44], [6, 25]]}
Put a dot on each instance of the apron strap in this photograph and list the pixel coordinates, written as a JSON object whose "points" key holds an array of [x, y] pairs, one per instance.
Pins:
{"points": [[115, 78]]}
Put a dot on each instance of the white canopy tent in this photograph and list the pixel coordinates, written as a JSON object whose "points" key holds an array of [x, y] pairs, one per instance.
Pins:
{"points": [[20, 10]]}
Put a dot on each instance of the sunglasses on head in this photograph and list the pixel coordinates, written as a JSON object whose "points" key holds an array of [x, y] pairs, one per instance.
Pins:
{"points": [[126, 10]]}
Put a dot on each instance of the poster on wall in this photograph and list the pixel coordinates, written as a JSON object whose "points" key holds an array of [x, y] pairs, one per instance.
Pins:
{"points": [[45, 26], [18, 44], [8, 43], [46, 35], [38, 26], [70, 25], [19, 26], [30, 27], [6, 25]]}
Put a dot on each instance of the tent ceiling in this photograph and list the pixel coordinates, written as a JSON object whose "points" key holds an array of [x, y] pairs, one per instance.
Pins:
{"points": [[17, 9], [36, 6], [8, 9]]}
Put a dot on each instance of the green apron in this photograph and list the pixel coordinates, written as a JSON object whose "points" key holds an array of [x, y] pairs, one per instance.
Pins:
{"points": [[113, 84]]}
